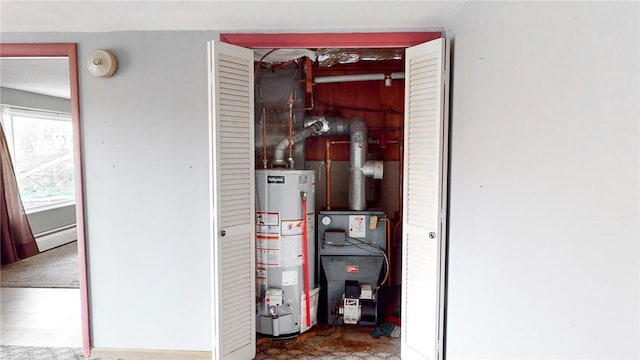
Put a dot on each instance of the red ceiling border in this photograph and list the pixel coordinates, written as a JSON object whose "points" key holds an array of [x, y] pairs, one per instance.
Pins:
{"points": [[318, 40]]}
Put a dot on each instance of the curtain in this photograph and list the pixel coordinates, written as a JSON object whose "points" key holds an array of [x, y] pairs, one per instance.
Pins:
{"points": [[16, 238]]}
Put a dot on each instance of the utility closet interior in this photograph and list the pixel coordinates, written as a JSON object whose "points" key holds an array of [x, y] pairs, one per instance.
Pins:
{"points": [[328, 144]]}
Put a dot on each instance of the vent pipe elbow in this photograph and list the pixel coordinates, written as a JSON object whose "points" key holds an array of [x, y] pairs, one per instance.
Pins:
{"points": [[313, 126]]}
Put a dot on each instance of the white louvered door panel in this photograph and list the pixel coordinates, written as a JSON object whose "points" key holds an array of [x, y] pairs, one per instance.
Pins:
{"points": [[425, 137], [232, 203]]}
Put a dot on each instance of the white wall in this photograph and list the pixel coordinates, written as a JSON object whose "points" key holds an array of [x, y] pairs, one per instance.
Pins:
{"points": [[544, 229], [147, 192], [146, 173]]}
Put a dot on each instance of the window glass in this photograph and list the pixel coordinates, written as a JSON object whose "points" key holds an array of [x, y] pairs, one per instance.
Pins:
{"points": [[41, 146]]}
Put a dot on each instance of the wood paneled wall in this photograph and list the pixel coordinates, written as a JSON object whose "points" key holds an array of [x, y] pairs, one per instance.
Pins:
{"points": [[381, 107]]}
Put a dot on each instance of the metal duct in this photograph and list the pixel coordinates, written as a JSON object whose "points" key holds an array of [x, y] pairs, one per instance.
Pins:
{"points": [[358, 131], [314, 125], [358, 165], [359, 140], [358, 77]]}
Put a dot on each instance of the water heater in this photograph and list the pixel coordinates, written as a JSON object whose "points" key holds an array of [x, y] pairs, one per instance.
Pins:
{"points": [[285, 208]]}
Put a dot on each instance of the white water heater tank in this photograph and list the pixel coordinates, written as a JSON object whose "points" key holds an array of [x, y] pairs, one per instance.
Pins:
{"points": [[279, 248]]}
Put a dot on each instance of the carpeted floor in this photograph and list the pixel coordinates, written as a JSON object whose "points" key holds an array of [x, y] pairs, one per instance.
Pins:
{"points": [[39, 353], [55, 268]]}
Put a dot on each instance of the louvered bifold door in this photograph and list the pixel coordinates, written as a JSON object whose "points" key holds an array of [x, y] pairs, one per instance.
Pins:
{"points": [[232, 201], [425, 134]]}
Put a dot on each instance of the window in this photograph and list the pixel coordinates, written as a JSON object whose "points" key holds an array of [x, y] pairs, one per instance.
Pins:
{"points": [[41, 147]]}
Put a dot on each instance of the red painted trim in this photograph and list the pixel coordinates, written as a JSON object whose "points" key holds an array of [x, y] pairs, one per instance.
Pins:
{"points": [[35, 50], [80, 226], [70, 51], [315, 40]]}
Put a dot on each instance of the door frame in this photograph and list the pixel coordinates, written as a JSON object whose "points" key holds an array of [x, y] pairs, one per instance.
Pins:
{"points": [[373, 40], [68, 50]]}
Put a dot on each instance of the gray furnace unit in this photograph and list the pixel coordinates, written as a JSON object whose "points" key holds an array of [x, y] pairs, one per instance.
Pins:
{"points": [[352, 265]]}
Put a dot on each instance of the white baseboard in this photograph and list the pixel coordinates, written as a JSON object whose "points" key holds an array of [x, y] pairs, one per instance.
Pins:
{"points": [[50, 241], [140, 354]]}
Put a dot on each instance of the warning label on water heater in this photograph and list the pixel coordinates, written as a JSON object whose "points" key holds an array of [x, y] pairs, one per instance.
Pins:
{"points": [[267, 251], [292, 227], [267, 223], [267, 238]]}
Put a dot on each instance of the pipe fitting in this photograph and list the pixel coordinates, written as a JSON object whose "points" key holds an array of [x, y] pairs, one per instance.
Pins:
{"points": [[314, 128], [373, 169], [317, 121]]}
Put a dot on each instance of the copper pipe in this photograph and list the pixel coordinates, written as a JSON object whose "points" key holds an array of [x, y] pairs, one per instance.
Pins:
{"points": [[293, 87], [255, 73], [388, 222], [290, 103], [265, 162], [401, 166], [397, 225], [327, 162], [311, 106], [287, 110]]}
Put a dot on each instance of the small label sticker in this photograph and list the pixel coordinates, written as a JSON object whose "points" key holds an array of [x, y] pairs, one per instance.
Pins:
{"points": [[352, 268], [275, 179], [292, 227], [289, 278], [357, 226]]}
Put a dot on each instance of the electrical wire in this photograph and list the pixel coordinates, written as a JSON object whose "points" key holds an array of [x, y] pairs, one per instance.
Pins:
{"points": [[359, 244]]}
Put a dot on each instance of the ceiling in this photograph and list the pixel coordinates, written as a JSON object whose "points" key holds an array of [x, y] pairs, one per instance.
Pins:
{"points": [[103, 16], [50, 76], [46, 76]]}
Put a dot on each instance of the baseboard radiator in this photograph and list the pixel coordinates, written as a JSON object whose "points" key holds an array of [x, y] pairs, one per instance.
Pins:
{"points": [[57, 237]]}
